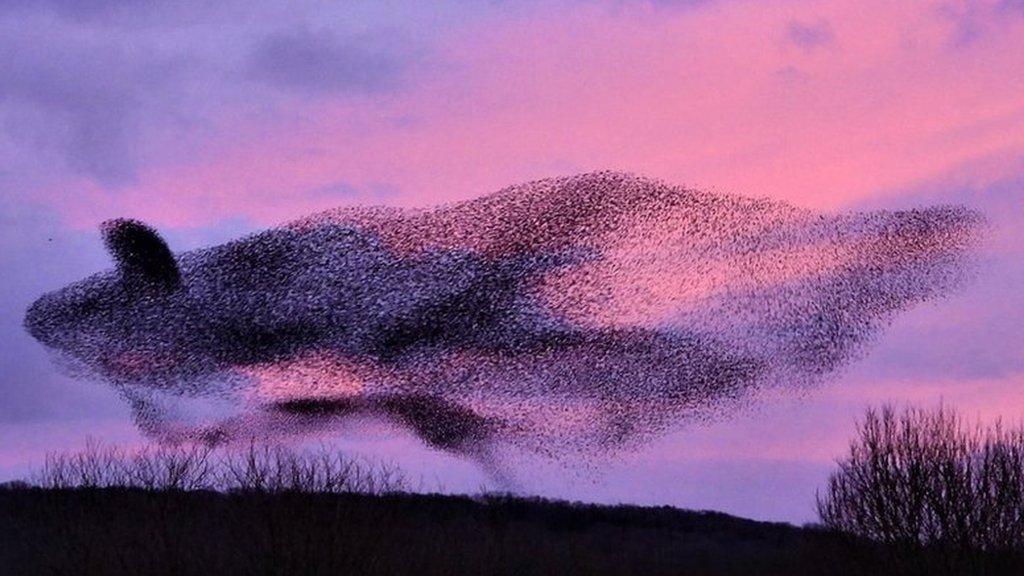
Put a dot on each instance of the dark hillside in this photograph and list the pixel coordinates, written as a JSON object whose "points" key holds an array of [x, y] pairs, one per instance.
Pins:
{"points": [[133, 531]]}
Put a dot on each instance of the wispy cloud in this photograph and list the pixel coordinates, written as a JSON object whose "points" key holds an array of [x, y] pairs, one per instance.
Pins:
{"points": [[810, 35], [84, 98], [100, 89], [321, 62]]}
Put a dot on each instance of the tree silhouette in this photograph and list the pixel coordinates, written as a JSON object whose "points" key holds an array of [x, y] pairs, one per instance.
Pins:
{"points": [[939, 495]]}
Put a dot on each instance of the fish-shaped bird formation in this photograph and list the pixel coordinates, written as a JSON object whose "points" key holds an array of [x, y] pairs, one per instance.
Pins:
{"points": [[587, 313]]}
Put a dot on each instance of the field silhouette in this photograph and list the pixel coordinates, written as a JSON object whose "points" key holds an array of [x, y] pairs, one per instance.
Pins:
{"points": [[165, 532]]}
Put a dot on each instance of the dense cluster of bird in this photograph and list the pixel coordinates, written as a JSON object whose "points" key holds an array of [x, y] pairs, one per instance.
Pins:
{"points": [[585, 314]]}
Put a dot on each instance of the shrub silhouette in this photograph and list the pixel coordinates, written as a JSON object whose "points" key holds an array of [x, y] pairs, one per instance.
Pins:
{"points": [[939, 495], [257, 467]]}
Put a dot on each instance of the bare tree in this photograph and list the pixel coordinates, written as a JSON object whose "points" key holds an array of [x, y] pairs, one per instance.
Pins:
{"points": [[927, 486], [184, 467], [256, 467], [95, 466]]}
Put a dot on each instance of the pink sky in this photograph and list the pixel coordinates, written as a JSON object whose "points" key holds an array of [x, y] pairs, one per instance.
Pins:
{"points": [[827, 105], [823, 105]]}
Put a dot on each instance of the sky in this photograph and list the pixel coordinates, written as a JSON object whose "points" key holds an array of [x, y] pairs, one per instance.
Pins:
{"points": [[212, 120]]}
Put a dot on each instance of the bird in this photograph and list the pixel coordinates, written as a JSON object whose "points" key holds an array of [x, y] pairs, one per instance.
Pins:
{"points": [[584, 314]]}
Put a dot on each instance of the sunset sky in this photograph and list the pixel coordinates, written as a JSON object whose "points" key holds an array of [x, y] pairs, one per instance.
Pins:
{"points": [[211, 120]]}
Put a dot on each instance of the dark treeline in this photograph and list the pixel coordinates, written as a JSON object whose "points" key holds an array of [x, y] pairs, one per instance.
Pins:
{"points": [[269, 510], [919, 493], [258, 467]]}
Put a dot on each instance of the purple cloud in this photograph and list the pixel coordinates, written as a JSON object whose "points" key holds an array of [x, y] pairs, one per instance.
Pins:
{"points": [[102, 88], [322, 62], [84, 99], [810, 36]]}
